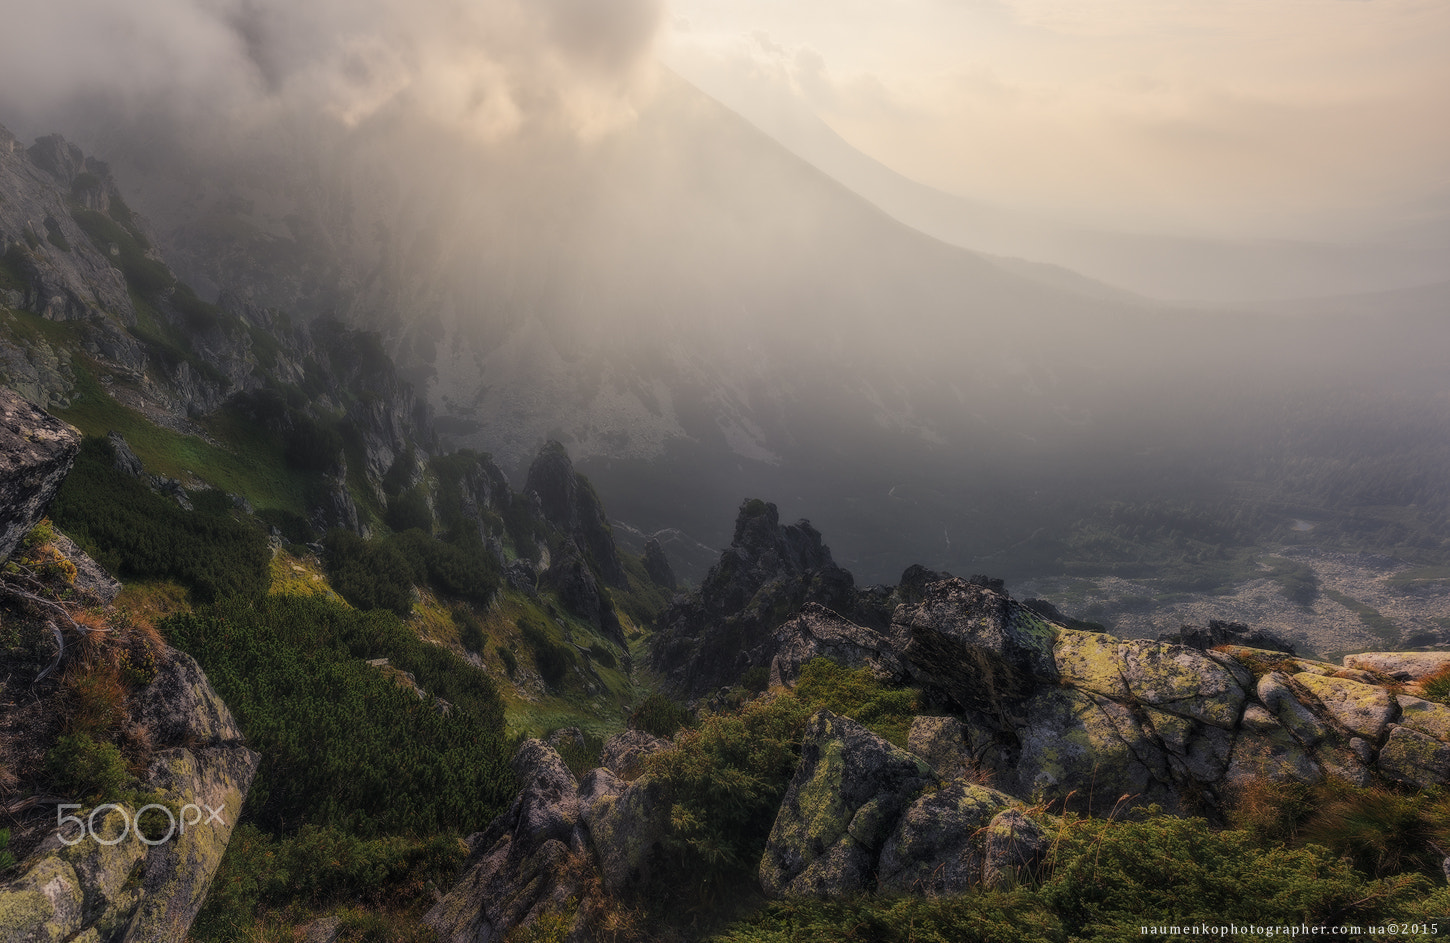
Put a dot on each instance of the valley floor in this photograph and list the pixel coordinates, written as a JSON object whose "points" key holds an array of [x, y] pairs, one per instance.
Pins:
{"points": [[1364, 602]]}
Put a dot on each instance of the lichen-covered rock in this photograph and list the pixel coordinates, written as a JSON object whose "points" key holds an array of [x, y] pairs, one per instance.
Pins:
{"points": [[1279, 699], [939, 845], [1425, 716], [131, 890], [1363, 709], [547, 805], [839, 810], [1182, 681], [628, 833], [92, 583], [1013, 850], [1197, 754], [1410, 756], [817, 632], [524, 868], [1265, 750], [1093, 750], [179, 706], [36, 453], [624, 753], [1091, 660], [976, 645], [596, 786], [942, 742], [1401, 666]]}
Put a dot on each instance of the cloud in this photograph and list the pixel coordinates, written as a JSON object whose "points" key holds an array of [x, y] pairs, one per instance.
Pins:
{"points": [[492, 66]]}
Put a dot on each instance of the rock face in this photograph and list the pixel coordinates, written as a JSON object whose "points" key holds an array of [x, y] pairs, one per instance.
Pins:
{"points": [[657, 565], [820, 633], [711, 638], [36, 453], [539, 856], [568, 501], [131, 890], [519, 870]]}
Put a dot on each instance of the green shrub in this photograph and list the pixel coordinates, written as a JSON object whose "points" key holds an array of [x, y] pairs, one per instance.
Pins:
{"points": [[1106, 879], [854, 693], [342, 744], [136, 533], [659, 716], [7, 860], [84, 768], [1436, 687], [553, 659], [292, 526], [510, 661], [318, 868], [409, 510], [724, 781], [973, 918], [369, 574]]}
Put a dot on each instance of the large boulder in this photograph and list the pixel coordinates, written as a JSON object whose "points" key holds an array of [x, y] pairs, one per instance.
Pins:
{"points": [[36, 453], [817, 632], [839, 810], [977, 646], [133, 890], [624, 753], [959, 837]]}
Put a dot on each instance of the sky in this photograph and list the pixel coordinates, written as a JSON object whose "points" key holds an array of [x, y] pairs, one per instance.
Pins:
{"points": [[1216, 116]]}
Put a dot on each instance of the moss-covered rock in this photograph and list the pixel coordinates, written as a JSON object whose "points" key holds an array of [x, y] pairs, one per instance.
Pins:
{"points": [[1182, 681], [113, 884], [1427, 717], [839, 809], [1409, 756], [1361, 708], [939, 845]]}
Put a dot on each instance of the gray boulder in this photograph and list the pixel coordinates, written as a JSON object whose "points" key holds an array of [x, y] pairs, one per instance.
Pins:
{"points": [[976, 645], [957, 838], [839, 810], [817, 632], [624, 753]]}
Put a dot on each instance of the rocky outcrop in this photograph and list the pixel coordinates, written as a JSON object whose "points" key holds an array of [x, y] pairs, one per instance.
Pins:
{"points": [[567, 500], [1218, 633], [542, 855], [1096, 721], [581, 594], [1401, 666], [657, 565], [119, 887], [521, 867], [711, 638], [36, 453]]}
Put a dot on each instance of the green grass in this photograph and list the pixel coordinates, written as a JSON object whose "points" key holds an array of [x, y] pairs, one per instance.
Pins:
{"points": [[1368, 615], [249, 470], [1424, 574]]}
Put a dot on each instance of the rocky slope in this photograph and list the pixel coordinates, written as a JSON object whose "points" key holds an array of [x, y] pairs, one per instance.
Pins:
{"points": [[1054, 718], [100, 881]]}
